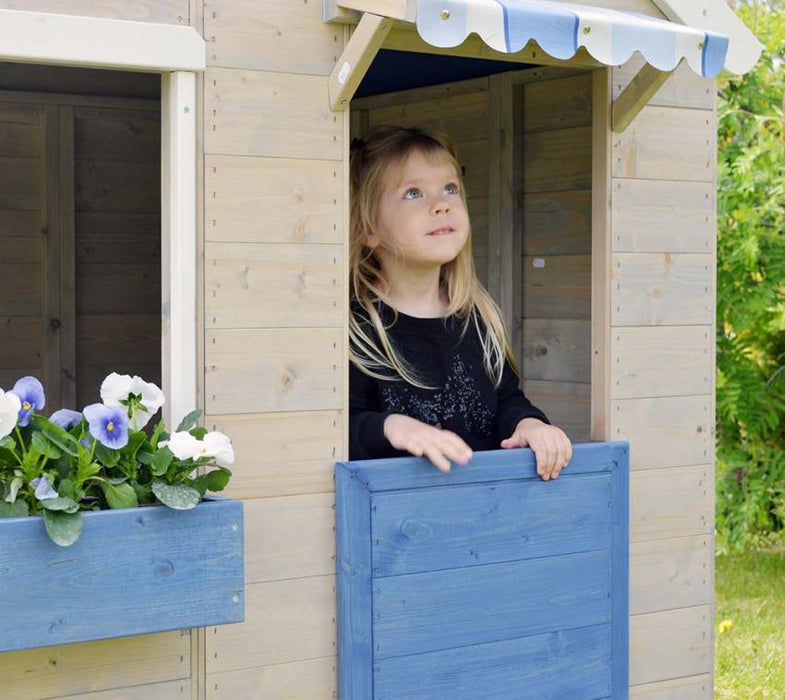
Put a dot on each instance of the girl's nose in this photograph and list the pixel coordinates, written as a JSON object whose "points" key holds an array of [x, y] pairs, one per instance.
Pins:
{"points": [[441, 206]]}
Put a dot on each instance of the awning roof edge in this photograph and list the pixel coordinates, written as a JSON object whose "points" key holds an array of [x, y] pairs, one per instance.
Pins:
{"points": [[561, 29]]}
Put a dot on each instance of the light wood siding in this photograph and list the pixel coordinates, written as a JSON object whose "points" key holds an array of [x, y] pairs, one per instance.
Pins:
{"points": [[166, 11], [661, 381], [273, 379], [556, 263]]}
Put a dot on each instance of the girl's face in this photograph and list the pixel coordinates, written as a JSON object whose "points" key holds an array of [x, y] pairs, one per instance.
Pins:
{"points": [[422, 217]]}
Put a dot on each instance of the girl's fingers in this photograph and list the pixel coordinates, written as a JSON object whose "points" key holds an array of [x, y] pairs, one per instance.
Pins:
{"points": [[437, 458]]}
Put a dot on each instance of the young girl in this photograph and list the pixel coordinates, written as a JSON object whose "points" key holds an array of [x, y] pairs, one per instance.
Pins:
{"points": [[431, 370]]}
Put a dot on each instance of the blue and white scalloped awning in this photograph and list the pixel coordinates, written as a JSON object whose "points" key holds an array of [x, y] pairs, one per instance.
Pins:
{"points": [[560, 29]]}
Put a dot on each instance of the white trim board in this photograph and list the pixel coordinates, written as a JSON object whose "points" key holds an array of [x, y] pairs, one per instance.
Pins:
{"points": [[93, 42]]}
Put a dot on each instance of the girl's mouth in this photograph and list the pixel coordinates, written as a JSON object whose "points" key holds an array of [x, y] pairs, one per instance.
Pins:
{"points": [[441, 231]]}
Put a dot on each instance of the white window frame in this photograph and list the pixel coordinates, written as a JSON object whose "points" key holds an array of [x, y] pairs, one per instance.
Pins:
{"points": [[177, 54]]}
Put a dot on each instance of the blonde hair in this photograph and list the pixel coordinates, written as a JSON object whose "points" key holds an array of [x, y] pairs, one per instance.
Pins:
{"points": [[383, 151]]}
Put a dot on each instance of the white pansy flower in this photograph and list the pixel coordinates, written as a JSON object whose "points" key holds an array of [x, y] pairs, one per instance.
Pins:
{"points": [[218, 446], [215, 446], [10, 406], [182, 445], [118, 387]]}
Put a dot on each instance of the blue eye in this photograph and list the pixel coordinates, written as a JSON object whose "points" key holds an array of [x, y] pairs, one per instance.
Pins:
{"points": [[452, 188], [412, 193]]}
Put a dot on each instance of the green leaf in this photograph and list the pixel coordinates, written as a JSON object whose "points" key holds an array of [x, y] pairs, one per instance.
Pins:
{"points": [[198, 433], [63, 528], [120, 495], [144, 494], [18, 509], [42, 444], [106, 455], [215, 480], [161, 461], [135, 442], [190, 420], [177, 496], [8, 443], [68, 449], [67, 505], [144, 457]]}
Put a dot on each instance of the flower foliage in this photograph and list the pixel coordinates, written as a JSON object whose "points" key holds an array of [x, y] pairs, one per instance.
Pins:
{"points": [[101, 458], [751, 292]]}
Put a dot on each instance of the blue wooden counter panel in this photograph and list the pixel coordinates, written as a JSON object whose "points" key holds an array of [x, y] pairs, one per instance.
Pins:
{"points": [[485, 582]]}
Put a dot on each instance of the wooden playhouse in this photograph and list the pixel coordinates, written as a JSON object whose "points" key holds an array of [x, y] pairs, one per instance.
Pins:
{"points": [[175, 204]]}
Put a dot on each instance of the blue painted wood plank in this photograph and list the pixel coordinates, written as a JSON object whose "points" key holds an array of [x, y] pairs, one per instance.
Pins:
{"points": [[435, 610], [621, 568], [133, 571], [493, 465], [355, 604], [452, 526], [572, 664]]}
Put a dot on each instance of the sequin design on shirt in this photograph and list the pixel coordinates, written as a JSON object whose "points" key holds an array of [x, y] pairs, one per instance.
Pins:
{"points": [[459, 397]]}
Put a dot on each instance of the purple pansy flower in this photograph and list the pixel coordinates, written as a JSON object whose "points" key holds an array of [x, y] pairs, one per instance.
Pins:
{"points": [[43, 489], [108, 424], [31, 394], [66, 418]]}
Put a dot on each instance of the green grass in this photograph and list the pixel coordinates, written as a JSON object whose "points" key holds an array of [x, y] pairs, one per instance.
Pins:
{"points": [[750, 626]]}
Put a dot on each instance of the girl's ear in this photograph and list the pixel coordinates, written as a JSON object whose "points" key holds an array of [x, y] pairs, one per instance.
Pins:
{"points": [[372, 240]]}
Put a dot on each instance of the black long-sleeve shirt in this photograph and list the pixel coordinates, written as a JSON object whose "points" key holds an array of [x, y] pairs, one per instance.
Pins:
{"points": [[463, 399]]}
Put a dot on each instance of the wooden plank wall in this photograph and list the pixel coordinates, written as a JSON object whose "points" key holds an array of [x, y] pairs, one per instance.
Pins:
{"points": [[556, 264], [167, 11], [662, 377], [275, 196], [459, 109]]}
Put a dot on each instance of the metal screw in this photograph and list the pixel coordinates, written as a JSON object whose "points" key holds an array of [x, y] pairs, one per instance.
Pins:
{"points": [[235, 526], [445, 14], [235, 598]]}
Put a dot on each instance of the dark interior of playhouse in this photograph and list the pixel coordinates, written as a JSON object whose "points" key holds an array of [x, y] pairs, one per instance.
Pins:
{"points": [[80, 228]]}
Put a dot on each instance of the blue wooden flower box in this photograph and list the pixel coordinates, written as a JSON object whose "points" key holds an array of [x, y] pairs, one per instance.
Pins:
{"points": [[485, 582], [132, 571]]}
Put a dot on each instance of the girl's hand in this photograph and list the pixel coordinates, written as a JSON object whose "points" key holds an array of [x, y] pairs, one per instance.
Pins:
{"points": [[551, 446], [418, 438]]}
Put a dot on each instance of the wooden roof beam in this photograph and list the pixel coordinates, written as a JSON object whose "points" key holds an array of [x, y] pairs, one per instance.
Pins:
{"points": [[636, 96], [349, 11], [356, 59]]}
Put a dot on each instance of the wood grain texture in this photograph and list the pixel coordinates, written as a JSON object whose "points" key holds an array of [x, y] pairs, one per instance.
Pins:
{"points": [[269, 114], [285, 621], [95, 666], [314, 679], [278, 35], [663, 216], [670, 644], [167, 11], [149, 691], [279, 454], [557, 350], [674, 573], [567, 404], [175, 569], [269, 285], [661, 361], [667, 143], [684, 87], [486, 525], [689, 688], [562, 103], [298, 536], [272, 200], [290, 369], [557, 286], [576, 658], [569, 213], [684, 424], [651, 289], [556, 161], [674, 502]]}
